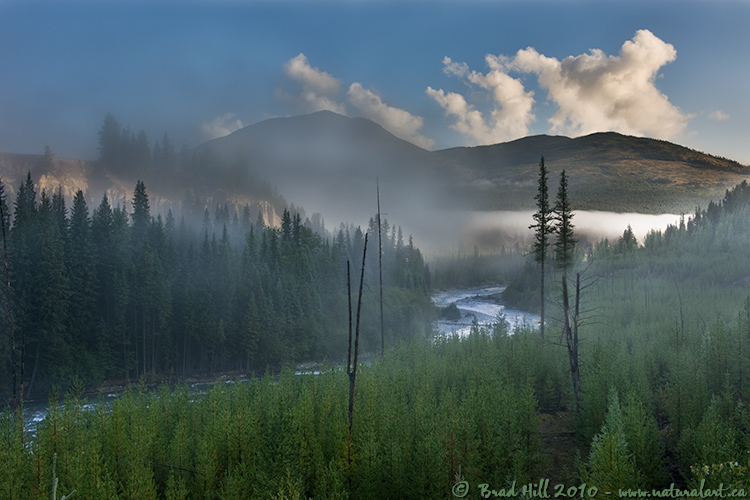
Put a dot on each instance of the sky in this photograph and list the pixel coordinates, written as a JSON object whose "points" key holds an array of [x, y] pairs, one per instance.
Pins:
{"points": [[439, 74]]}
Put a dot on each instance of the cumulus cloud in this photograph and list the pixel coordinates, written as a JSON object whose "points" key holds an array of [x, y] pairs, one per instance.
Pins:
{"points": [[319, 89], [596, 92], [719, 116], [512, 105], [593, 92], [397, 121], [222, 125]]}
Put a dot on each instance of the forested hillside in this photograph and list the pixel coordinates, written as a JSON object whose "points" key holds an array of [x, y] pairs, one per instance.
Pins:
{"points": [[664, 332], [118, 293], [664, 328]]}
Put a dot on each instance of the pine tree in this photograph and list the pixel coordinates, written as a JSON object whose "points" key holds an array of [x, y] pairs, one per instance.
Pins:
{"points": [[110, 149], [12, 372], [141, 216], [82, 270], [107, 281], [565, 241], [49, 339], [542, 230], [23, 252], [60, 212], [611, 465], [142, 152]]}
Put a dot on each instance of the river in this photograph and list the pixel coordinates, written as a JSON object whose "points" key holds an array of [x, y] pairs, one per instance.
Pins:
{"points": [[482, 303]]}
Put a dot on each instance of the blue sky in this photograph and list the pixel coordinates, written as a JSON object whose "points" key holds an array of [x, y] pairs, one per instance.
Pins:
{"points": [[440, 74]]}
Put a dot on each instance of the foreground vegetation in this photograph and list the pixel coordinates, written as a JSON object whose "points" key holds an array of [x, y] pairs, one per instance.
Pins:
{"points": [[425, 414]]}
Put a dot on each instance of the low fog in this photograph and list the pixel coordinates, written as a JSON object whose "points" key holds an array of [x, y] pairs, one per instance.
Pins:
{"points": [[441, 232]]}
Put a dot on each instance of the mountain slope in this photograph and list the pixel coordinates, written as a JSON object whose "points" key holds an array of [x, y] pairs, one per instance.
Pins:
{"points": [[606, 171], [330, 163]]}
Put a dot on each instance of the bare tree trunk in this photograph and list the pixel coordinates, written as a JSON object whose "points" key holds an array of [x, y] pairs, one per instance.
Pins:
{"points": [[352, 368], [541, 324], [380, 265], [571, 337]]}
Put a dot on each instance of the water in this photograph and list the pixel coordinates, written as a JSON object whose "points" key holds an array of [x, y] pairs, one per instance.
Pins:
{"points": [[482, 303], [35, 412]]}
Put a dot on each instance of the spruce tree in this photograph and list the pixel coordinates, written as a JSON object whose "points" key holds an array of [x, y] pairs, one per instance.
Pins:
{"points": [[542, 230], [48, 339], [82, 271], [611, 465], [110, 148], [565, 241], [106, 280], [141, 216]]}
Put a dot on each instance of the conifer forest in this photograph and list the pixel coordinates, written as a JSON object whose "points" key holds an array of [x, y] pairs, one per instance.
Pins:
{"points": [[638, 381]]}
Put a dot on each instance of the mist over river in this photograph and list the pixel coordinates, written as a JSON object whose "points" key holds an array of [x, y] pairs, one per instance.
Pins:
{"points": [[482, 303], [448, 231]]}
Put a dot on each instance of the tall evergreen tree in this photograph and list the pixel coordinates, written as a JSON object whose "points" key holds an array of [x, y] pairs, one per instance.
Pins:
{"points": [[82, 269], [110, 137], [141, 216], [12, 366], [168, 157], [142, 152], [49, 340], [565, 241], [24, 253], [107, 280], [542, 230]]}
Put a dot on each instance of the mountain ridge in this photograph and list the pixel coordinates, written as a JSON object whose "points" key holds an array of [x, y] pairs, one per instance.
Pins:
{"points": [[606, 170], [330, 163]]}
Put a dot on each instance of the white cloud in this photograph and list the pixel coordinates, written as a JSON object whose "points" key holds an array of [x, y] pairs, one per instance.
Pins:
{"points": [[512, 110], [596, 92], [397, 121], [719, 116], [453, 68], [593, 92], [221, 126], [319, 88]]}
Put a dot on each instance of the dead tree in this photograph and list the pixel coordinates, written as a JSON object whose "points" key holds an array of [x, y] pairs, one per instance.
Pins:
{"points": [[380, 266], [570, 332], [351, 369]]}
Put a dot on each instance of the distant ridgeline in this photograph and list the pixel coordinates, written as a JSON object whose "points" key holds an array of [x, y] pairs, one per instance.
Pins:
{"points": [[117, 293]]}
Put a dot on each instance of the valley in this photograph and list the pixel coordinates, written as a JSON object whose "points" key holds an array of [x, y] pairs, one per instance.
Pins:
{"points": [[214, 271]]}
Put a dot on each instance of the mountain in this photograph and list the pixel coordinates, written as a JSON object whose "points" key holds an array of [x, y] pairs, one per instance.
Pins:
{"points": [[333, 165], [330, 161], [606, 171]]}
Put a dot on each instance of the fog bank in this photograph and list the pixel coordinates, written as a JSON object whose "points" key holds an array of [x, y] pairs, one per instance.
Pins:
{"points": [[451, 232]]}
